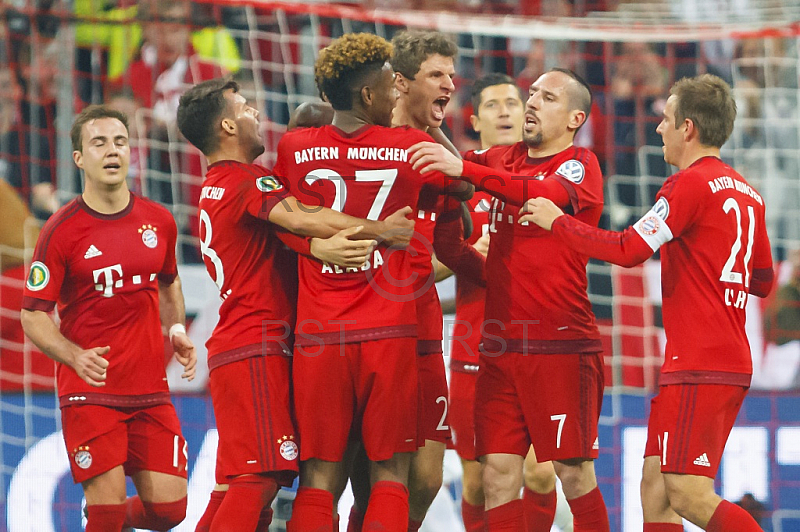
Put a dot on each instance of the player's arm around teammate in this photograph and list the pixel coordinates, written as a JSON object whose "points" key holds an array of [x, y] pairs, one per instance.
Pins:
{"points": [[697, 222]]}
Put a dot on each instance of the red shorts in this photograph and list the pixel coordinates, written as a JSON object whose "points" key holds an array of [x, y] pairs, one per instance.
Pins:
{"points": [[252, 406], [364, 389], [689, 425], [429, 322], [462, 412], [433, 400], [100, 438], [550, 401]]}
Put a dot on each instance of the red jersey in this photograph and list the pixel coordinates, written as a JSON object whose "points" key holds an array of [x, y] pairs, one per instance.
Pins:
{"points": [[103, 271], [256, 275], [365, 174], [536, 301], [471, 297], [715, 253]]}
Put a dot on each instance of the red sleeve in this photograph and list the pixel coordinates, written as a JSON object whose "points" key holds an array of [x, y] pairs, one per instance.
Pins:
{"points": [[625, 249], [763, 273], [298, 244], [170, 268], [515, 190], [454, 252], [48, 268], [762, 282], [261, 193]]}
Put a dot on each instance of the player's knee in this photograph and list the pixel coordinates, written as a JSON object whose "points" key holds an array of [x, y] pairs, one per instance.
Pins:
{"points": [[539, 477], [425, 487], [473, 489], [680, 500], [499, 480], [166, 515]]}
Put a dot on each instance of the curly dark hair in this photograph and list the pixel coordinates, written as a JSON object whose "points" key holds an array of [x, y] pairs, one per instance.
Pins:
{"points": [[343, 65]]}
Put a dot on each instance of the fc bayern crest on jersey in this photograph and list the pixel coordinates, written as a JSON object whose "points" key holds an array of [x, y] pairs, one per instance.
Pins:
{"points": [[149, 237], [572, 170], [288, 448], [268, 183], [661, 208], [38, 277], [83, 458], [650, 225]]}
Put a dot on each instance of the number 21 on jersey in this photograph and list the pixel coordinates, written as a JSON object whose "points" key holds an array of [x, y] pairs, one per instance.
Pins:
{"points": [[735, 297]]}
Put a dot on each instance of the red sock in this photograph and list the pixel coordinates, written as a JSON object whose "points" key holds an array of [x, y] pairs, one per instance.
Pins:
{"points": [[662, 527], [356, 520], [312, 511], [204, 524], [589, 512], [264, 519], [105, 517], [413, 526], [731, 518], [154, 515], [388, 508], [506, 518], [539, 510], [473, 517], [242, 505]]}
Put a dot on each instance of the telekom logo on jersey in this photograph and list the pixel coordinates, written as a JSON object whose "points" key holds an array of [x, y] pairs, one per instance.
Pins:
{"points": [[110, 277]]}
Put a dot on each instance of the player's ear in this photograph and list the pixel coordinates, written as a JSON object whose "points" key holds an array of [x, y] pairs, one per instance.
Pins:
{"points": [[366, 96], [576, 119], [77, 157], [475, 123], [400, 82], [691, 130], [228, 126]]}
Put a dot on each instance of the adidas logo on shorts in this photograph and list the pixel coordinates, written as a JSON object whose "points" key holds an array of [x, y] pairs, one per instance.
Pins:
{"points": [[702, 460]]}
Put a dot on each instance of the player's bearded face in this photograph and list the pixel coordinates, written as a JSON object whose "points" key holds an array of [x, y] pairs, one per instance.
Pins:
{"points": [[547, 110], [105, 154], [430, 91], [248, 126]]}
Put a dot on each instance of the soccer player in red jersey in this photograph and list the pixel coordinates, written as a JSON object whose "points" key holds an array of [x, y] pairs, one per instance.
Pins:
{"points": [[257, 279], [355, 363], [498, 112], [424, 69], [708, 223], [107, 260], [539, 334]]}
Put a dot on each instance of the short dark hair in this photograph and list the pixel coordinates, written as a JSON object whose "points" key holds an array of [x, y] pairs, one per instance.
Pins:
{"points": [[93, 112], [706, 100], [489, 80], [199, 110], [581, 97], [342, 66], [412, 48]]}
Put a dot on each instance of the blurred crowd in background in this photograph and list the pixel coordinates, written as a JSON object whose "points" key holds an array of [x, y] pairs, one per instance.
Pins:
{"points": [[56, 57]]}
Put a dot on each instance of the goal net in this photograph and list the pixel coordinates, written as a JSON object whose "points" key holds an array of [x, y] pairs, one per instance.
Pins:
{"points": [[56, 57]]}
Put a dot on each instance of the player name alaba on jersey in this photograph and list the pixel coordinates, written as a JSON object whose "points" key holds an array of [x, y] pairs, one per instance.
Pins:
{"points": [[365, 174]]}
